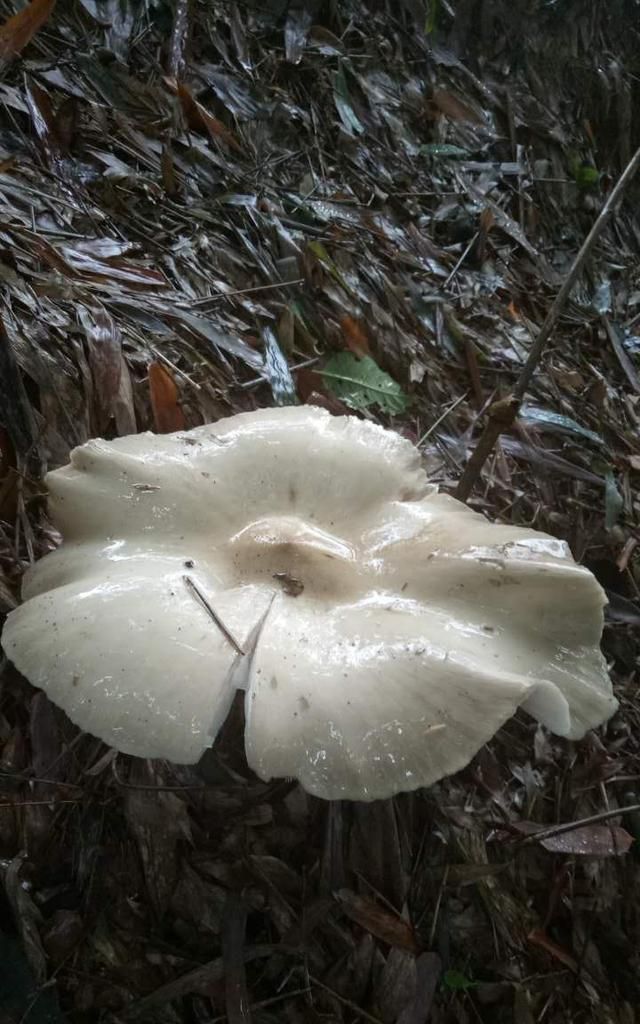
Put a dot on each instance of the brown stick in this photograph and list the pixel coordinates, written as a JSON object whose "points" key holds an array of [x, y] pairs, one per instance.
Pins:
{"points": [[502, 414]]}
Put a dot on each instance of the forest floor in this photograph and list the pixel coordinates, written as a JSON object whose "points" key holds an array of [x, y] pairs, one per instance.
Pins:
{"points": [[202, 205]]}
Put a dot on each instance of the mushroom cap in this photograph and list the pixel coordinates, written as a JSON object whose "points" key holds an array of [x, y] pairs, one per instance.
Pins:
{"points": [[382, 631]]}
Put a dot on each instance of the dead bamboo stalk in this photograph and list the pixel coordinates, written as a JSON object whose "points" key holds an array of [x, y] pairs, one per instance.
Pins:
{"points": [[502, 414]]}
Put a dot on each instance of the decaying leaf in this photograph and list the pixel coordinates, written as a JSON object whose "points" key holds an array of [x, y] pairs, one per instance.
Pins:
{"points": [[27, 917], [539, 938], [66, 122], [452, 106], [590, 841], [428, 968], [8, 485], [355, 336], [201, 119], [8, 599], [105, 359], [20, 29], [377, 920], [167, 413], [44, 124], [595, 840], [299, 20], [16, 413], [158, 820], [277, 370]]}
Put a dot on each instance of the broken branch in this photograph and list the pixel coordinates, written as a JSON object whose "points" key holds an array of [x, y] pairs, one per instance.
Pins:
{"points": [[502, 414]]}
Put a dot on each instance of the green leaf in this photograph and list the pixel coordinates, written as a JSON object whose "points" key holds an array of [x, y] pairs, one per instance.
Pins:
{"points": [[432, 17], [445, 151], [586, 175], [456, 981], [361, 383]]}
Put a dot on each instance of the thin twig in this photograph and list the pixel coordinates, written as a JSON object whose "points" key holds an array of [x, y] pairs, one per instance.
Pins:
{"points": [[172, 366], [345, 1002], [200, 978], [503, 413], [434, 426], [245, 291], [436, 910], [37, 803], [558, 830], [20, 779], [294, 993], [459, 263], [216, 618]]}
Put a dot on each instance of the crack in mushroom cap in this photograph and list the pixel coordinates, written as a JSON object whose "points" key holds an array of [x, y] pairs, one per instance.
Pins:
{"points": [[382, 631]]}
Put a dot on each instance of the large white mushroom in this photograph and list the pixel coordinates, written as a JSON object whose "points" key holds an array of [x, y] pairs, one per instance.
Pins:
{"points": [[382, 632]]}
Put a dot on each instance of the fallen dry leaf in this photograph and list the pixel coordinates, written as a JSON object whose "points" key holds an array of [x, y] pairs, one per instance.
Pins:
{"points": [[167, 414], [42, 116], [380, 922], [355, 336], [453, 108], [308, 381], [18, 30], [537, 937], [104, 346], [8, 495], [201, 119], [158, 821], [590, 841], [587, 841], [66, 122]]}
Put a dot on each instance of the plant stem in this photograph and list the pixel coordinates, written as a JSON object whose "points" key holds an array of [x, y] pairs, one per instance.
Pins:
{"points": [[502, 414]]}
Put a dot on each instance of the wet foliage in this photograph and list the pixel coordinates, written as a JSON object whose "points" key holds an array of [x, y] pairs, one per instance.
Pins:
{"points": [[207, 207]]}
